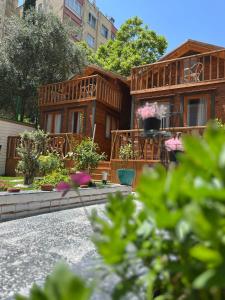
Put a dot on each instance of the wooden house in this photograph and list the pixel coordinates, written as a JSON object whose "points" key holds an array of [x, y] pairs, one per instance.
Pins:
{"points": [[190, 82], [96, 97]]}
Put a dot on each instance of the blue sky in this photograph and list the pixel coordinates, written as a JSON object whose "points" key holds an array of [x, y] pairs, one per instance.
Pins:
{"points": [[177, 20]]}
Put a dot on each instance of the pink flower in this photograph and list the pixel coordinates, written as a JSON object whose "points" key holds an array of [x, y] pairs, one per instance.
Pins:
{"points": [[63, 187], [151, 110], [174, 144], [80, 178]]}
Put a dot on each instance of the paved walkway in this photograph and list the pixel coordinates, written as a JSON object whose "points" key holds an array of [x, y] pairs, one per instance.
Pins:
{"points": [[30, 248]]}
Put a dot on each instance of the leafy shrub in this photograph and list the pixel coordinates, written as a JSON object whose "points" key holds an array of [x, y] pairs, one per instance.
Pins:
{"points": [[172, 246], [49, 163], [32, 145], [3, 186], [61, 285], [86, 155], [54, 178], [126, 152]]}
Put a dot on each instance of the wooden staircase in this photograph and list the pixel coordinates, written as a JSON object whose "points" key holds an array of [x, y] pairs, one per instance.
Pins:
{"points": [[103, 166]]}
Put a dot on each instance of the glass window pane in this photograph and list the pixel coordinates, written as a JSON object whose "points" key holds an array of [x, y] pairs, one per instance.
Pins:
{"points": [[57, 125], [49, 123]]}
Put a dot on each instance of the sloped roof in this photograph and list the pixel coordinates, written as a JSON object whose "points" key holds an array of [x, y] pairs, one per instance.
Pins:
{"points": [[190, 45], [93, 69]]}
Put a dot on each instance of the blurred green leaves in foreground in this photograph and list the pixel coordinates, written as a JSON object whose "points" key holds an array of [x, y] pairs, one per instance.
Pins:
{"points": [[169, 243]]}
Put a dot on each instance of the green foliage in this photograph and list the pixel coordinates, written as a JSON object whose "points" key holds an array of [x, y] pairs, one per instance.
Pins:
{"points": [[32, 145], [49, 163], [54, 178], [134, 45], [86, 155], [3, 186], [169, 243], [61, 285], [35, 50], [126, 152]]}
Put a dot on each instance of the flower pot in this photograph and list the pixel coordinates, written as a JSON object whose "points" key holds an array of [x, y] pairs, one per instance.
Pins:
{"points": [[13, 190], [126, 176], [47, 187], [151, 124], [173, 155]]}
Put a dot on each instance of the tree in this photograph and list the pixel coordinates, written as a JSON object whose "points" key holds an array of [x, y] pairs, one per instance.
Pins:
{"points": [[35, 50], [28, 4], [32, 145], [135, 44]]}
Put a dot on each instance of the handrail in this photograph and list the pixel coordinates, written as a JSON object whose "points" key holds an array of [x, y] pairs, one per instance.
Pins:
{"points": [[146, 148], [179, 72], [179, 58]]}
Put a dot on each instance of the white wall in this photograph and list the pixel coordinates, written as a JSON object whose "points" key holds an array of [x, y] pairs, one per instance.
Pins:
{"points": [[9, 128]]}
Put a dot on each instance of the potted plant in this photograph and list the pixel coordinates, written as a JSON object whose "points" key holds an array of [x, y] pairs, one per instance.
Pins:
{"points": [[174, 146], [151, 114], [86, 156], [126, 176]]}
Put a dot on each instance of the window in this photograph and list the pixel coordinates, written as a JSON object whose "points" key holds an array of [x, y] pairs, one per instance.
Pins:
{"points": [[77, 122], [196, 110], [113, 36], [92, 20], [54, 122], [90, 41], [165, 122], [104, 31], [75, 6], [111, 124]]}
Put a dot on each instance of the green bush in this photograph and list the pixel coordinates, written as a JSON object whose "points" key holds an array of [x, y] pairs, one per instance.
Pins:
{"points": [[172, 244], [49, 163], [86, 155], [54, 178], [3, 186], [62, 284], [126, 152], [31, 146]]}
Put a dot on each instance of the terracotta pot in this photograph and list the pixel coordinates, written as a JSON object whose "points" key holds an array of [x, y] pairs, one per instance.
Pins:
{"points": [[13, 190], [47, 187]]}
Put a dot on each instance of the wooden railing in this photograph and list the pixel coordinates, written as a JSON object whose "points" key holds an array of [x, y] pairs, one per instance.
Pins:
{"points": [[62, 143], [82, 89], [148, 149], [108, 94], [192, 69]]}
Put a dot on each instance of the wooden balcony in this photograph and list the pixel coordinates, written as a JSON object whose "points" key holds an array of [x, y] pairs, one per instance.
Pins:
{"points": [[192, 70], [147, 149], [82, 89]]}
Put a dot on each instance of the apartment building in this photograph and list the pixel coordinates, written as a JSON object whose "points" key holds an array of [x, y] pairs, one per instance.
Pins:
{"points": [[7, 8], [92, 25]]}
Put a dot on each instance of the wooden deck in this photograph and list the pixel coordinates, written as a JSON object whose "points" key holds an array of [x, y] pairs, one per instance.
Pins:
{"points": [[170, 74], [82, 89], [146, 149]]}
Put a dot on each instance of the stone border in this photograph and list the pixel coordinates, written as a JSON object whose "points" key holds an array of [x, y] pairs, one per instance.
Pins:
{"points": [[29, 203]]}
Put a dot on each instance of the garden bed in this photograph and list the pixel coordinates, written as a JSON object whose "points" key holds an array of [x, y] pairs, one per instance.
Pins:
{"points": [[28, 203]]}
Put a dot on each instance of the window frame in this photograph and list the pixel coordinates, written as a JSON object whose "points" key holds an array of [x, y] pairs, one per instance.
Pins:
{"points": [[111, 120], [187, 99], [75, 6], [104, 30], [71, 112], [92, 18], [53, 116], [89, 35]]}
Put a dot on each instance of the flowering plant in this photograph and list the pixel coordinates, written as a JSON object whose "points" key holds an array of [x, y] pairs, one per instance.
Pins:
{"points": [[152, 110], [77, 179], [174, 144]]}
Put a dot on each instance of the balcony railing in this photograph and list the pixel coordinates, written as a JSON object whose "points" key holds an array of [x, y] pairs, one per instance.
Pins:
{"points": [[82, 89], [147, 149], [62, 143], [190, 70]]}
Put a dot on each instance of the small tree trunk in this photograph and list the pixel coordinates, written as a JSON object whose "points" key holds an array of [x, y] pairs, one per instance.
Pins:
{"points": [[28, 179]]}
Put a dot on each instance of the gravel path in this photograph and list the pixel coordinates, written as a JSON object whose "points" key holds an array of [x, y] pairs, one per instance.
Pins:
{"points": [[30, 248]]}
